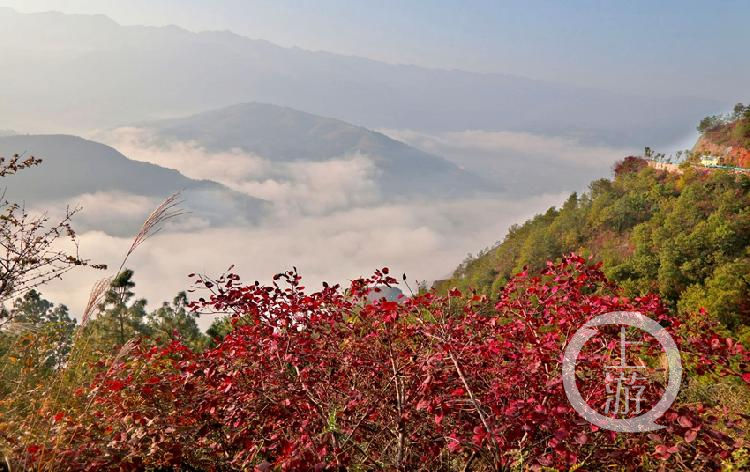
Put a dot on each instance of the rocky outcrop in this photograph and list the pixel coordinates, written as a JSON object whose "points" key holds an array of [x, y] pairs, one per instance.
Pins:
{"points": [[732, 155]]}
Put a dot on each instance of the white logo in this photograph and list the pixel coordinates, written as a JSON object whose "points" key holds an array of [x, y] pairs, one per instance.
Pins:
{"points": [[626, 391]]}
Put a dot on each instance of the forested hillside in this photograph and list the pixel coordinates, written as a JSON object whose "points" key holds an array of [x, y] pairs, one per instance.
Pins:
{"points": [[683, 235]]}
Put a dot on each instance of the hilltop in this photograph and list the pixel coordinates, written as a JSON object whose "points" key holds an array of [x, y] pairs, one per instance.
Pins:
{"points": [[684, 235]]}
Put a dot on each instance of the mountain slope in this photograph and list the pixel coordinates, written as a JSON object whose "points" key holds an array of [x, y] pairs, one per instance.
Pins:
{"points": [[98, 74], [283, 135], [74, 166], [683, 235]]}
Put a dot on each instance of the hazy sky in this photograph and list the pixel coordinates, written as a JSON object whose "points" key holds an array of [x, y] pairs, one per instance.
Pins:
{"points": [[677, 46]]}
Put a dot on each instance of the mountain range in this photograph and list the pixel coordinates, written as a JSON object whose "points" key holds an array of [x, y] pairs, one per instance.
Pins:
{"points": [[88, 72], [262, 145]]}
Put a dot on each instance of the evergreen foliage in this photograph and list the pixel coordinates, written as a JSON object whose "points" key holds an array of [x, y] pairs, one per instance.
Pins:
{"points": [[685, 236]]}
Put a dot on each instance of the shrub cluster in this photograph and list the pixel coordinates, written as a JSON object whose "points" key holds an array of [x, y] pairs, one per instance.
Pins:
{"points": [[330, 380]]}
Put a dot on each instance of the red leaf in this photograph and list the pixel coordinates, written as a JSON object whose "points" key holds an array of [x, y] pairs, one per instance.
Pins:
{"points": [[546, 460], [453, 443], [116, 385], [439, 417], [685, 422]]}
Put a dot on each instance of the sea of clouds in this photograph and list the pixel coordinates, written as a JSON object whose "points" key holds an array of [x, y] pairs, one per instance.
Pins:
{"points": [[327, 218]]}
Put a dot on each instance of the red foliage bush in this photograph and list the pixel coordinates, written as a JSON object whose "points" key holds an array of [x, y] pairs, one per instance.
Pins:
{"points": [[630, 165], [327, 380]]}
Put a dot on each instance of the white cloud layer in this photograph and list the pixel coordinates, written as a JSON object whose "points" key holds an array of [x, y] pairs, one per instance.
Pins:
{"points": [[525, 164], [327, 218], [510, 144], [424, 240], [299, 187]]}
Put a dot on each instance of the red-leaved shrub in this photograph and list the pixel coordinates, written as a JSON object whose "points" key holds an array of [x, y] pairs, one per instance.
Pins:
{"points": [[328, 380]]}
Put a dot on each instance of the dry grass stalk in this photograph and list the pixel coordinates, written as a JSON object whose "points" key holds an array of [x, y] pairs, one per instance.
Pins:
{"points": [[167, 210], [95, 298], [124, 350]]}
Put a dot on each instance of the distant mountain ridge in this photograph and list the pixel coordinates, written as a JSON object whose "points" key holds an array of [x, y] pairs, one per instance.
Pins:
{"points": [[275, 132], [98, 74], [282, 134], [73, 166]]}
